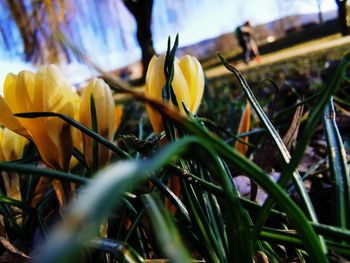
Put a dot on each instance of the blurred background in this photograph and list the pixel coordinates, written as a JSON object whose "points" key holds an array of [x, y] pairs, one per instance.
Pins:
{"points": [[119, 36]]}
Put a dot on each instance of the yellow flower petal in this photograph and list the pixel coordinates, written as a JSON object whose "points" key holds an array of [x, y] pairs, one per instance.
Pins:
{"points": [[154, 80], [180, 87], [55, 90], [45, 91], [12, 145], [105, 113], [150, 69], [10, 121], [194, 76], [9, 90], [24, 91]]}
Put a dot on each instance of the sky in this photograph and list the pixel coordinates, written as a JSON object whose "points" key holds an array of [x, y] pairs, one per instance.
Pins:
{"points": [[214, 17], [196, 20]]}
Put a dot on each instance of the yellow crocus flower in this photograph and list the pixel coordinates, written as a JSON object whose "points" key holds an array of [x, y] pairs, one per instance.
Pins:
{"points": [[11, 145], [188, 85], [105, 113], [44, 91], [11, 148]]}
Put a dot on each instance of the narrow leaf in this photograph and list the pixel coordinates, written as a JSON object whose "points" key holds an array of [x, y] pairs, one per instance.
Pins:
{"points": [[339, 169], [168, 237]]}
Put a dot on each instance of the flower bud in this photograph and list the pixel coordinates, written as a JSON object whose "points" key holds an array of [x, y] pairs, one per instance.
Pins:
{"points": [[187, 84], [105, 115]]}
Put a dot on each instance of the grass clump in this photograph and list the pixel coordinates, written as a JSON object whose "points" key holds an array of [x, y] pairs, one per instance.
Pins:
{"points": [[178, 194]]}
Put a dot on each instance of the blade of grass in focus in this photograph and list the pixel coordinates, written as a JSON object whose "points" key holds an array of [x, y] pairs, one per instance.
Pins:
{"points": [[275, 137], [80, 127], [120, 250], [283, 151], [37, 171], [165, 230], [338, 169], [95, 130]]}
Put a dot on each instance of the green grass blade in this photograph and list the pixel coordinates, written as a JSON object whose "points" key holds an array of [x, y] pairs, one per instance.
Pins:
{"points": [[118, 249], [196, 181], [201, 226], [37, 171], [45, 203], [331, 88], [9, 218], [80, 127], [15, 203], [283, 151], [217, 215], [341, 249], [171, 196], [95, 130], [332, 232], [96, 201], [278, 141], [297, 217], [92, 205], [165, 230], [137, 219], [237, 219], [259, 111], [312, 243], [338, 168]]}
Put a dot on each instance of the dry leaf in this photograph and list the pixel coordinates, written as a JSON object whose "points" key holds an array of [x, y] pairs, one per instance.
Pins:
{"points": [[15, 255], [292, 133]]}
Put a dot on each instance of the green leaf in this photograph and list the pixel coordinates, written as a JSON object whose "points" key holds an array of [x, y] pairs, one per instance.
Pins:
{"points": [[171, 196], [96, 201], [167, 91], [15, 203], [280, 145], [338, 168], [201, 227], [283, 151], [88, 210], [95, 129], [312, 243], [37, 171], [118, 249], [165, 230], [80, 127]]}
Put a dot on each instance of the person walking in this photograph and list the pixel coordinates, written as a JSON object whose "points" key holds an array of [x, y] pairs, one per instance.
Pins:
{"points": [[247, 43]]}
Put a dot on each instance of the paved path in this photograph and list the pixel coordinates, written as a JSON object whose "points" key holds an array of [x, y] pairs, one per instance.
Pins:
{"points": [[280, 55]]}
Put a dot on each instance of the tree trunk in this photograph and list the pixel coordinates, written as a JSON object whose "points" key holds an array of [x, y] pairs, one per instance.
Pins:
{"points": [[19, 14], [342, 17], [142, 11]]}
